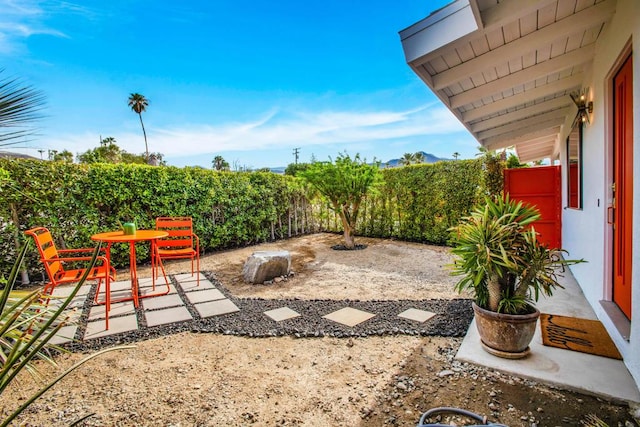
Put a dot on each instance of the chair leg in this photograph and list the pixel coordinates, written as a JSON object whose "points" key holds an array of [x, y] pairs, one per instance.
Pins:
{"points": [[198, 266], [107, 306]]}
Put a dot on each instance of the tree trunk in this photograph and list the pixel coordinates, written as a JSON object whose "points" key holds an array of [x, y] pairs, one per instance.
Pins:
{"points": [[146, 147], [24, 275], [349, 242], [493, 286]]}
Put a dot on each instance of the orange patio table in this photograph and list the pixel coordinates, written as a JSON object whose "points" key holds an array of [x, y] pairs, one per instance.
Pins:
{"points": [[111, 237]]}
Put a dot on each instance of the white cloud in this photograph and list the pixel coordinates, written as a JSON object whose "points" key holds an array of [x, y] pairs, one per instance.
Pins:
{"points": [[21, 20], [279, 129]]}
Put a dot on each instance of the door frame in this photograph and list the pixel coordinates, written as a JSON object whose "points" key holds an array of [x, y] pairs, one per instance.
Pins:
{"points": [[609, 126]]}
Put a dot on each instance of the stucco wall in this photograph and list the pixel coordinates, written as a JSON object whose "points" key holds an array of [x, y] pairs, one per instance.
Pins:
{"points": [[585, 232]]}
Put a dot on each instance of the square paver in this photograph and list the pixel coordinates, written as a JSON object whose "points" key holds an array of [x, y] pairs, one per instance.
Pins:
{"points": [[349, 316], [117, 309], [115, 295], [196, 297], [64, 335], [117, 325], [164, 301], [187, 277], [160, 289], [216, 308], [280, 314], [122, 285], [168, 315], [77, 302], [148, 281], [65, 291], [193, 285], [417, 315]]}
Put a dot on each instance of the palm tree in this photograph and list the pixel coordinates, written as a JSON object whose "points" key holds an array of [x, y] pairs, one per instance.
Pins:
{"points": [[407, 159], [456, 155], [138, 104], [418, 157], [220, 164], [19, 105]]}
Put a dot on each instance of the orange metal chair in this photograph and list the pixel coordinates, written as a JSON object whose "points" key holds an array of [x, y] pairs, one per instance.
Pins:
{"points": [[181, 243], [54, 262]]}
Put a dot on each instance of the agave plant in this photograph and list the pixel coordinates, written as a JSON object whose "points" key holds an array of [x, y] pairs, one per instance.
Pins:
{"points": [[501, 259], [27, 325]]}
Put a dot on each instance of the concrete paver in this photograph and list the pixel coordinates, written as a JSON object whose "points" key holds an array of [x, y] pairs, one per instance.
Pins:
{"points": [[117, 309], [117, 325], [280, 314], [167, 315], [122, 285], [349, 316], [115, 295], [64, 335], [165, 301], [192, 285], [160, 289], [187, 277], [417, 315], [65, 291], [196, 297], [216, 308], [76, 302]]}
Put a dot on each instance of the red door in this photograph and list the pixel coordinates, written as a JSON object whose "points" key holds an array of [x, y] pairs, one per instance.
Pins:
{"points": [[622, 186], [540, 187]]}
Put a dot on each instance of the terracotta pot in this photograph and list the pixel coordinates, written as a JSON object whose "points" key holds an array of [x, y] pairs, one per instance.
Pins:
{"points": [[506, 335]]}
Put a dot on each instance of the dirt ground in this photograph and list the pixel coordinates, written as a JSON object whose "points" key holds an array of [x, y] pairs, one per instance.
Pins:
{"points": [[192, 379]]}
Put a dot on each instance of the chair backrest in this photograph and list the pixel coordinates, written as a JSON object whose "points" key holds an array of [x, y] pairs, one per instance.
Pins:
{"points": [[47, 250], [180, 231]]}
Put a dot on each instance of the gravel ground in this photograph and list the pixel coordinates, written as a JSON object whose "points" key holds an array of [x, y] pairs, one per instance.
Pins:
{"points": [[452, 319], [175, 377]]}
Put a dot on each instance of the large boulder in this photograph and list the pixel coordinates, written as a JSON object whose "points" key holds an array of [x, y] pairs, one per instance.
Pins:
{"points": [[266, 265]]}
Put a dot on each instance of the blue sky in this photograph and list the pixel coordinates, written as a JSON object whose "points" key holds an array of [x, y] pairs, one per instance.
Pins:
{"points": [[247, 80]]}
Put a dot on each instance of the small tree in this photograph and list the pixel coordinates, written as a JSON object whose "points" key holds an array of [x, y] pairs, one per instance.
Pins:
{"points": [[345, 183], [407, 159], [220, 164]]}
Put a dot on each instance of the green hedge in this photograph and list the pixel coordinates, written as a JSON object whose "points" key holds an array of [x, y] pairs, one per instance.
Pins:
{"points": [[76, 201], [420, 202], [230, 209]]}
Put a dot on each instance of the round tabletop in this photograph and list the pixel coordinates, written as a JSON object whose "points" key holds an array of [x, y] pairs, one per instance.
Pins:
{"points": [[139, 235]]}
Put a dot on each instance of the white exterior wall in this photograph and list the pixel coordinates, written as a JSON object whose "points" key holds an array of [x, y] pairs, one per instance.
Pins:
{"points": [[585, 233]]}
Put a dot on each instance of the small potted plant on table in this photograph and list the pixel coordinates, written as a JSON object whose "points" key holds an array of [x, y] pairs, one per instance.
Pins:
{"points": [[506, 268]]}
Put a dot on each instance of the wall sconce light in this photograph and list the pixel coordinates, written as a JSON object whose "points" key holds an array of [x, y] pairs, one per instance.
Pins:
{"points": [[584, 107]]}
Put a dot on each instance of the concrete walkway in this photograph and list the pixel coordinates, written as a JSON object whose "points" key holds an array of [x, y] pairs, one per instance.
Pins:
{"points": [[188, 304], [586, 373]]}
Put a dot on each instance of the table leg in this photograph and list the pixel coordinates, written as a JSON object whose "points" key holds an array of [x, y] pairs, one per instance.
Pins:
{"points": [[134, 273], [107, 290], [155, 261]]}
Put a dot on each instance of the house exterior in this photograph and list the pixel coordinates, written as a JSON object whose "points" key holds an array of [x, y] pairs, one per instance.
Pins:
{"points": [[556, 79]]}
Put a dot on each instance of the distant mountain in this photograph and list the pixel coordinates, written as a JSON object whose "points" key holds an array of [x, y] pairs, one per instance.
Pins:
{"points": [[279, 170], [428, 158]]}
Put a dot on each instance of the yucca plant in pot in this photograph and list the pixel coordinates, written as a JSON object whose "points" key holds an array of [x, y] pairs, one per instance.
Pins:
{"points": [[506, 269]]}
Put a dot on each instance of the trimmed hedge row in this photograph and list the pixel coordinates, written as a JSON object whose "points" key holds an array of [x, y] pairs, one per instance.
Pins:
{"points": [[230, 209], [76, 201], [420, 202]]}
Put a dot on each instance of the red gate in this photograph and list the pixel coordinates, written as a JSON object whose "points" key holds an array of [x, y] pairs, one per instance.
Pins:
{"points": [[540, 187]]}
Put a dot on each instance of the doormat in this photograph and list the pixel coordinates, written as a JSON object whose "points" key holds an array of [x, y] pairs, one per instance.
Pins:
{"points": [[572, 333]]}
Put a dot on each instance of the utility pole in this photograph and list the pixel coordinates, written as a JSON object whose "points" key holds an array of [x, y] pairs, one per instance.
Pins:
{"points": [[296, 152]]}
